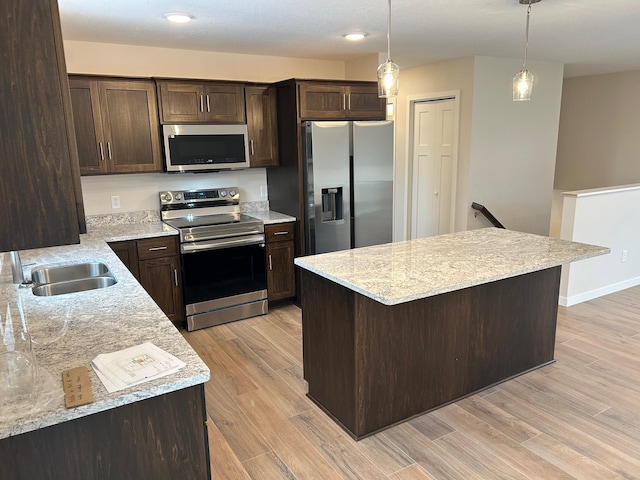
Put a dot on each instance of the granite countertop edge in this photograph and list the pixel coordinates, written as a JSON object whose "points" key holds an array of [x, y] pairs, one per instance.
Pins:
{"points": [[346, 268]]}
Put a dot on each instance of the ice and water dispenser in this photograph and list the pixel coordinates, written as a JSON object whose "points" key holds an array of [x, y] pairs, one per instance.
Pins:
{"points": [[332, 209]]}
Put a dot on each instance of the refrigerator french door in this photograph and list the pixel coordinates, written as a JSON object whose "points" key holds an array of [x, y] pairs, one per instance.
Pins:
{"points": [[348, 184]]}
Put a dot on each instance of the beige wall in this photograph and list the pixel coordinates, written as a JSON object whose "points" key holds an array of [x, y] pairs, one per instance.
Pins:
{"points": [[599, 140], [513, 144], [427, 81], [130, 60], [363, 68]]}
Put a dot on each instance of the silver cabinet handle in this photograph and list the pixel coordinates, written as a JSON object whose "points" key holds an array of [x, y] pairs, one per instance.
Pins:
{"points": [[201, 103], [155, 249], [253, 152], [349, 101], [208, 105], [109, 149], [344, 101], [280, 233], [270, 264], [101, 151], [175, 276]]}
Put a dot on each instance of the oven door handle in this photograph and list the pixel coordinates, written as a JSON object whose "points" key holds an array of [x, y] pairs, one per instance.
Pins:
{"points": [[194, 247]]}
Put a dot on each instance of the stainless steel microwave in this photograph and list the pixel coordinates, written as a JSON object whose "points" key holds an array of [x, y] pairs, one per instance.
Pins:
{"points": [[200, 148]]}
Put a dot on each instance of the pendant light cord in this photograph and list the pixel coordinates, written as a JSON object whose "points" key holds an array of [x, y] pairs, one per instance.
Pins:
{"points": [[389, 32], [526, 37]]}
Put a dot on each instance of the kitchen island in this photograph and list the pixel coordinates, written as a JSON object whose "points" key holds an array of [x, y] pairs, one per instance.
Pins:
{"points": [[152, 430], [395, 330]]}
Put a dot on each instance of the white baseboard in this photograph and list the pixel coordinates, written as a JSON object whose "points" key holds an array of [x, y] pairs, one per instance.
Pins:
{"points": [[598, 292]]}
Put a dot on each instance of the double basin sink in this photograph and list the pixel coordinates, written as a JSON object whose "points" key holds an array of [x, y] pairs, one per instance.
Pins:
{"points": [[78, 277]]}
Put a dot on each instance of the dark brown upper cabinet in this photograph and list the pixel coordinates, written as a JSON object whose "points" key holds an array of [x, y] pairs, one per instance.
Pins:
{"points": [[116, 124], [262, 124], [350, 101], [200, 102], [40, 195]]}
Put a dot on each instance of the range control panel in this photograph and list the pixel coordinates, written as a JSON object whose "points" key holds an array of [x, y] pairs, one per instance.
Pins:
{"points": [[226, 196]]}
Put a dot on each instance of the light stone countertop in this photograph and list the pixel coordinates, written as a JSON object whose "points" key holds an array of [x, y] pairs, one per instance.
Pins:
{"points": [[97, 321], [400, 272], [270, 217]]}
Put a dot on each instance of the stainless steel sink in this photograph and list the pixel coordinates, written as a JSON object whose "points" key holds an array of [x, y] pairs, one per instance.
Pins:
{"points": [[66, 273], [74, 286], [79, 277]]}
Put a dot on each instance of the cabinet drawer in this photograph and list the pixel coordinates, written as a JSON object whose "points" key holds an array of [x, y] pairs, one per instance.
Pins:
{"points": [[278, 232], [157, 247]]}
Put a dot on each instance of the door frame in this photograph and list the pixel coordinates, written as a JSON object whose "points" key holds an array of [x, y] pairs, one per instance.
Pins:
{"points": [[411, 102]]}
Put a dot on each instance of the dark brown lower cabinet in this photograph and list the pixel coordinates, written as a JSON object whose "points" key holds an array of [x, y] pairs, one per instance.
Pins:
{"points": [[155, 262], [159, 438], [280, 270], [371, 366]]}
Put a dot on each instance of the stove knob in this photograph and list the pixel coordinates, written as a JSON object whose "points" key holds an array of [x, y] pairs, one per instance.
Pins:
{"points": [[166, 197], [232, 193], [178, 196], [223, 193]]}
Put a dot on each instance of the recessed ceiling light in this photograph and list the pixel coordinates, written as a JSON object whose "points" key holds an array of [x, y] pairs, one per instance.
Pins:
{"points": [[178, 17], [355, 36]]}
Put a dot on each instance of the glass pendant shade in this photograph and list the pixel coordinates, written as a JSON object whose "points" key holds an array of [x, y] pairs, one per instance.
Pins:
{"points": [[388, 79], [522, 86]]}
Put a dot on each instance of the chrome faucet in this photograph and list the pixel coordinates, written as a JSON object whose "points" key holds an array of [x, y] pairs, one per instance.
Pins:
{"points": [[16, 269]]}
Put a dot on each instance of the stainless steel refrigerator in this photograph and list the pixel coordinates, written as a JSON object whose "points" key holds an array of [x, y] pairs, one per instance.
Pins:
{"points": [[348, 178]]}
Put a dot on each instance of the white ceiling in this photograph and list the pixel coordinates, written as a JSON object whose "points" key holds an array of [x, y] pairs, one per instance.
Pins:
{"points": [[588, 36]]}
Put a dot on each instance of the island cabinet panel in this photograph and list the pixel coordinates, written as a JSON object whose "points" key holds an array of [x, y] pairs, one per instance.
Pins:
{"points": [[162, 437], [371, 365]]}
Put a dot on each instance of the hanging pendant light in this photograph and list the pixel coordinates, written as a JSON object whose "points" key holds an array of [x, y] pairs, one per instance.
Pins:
{"points": [[523, 81], [388, 72]]}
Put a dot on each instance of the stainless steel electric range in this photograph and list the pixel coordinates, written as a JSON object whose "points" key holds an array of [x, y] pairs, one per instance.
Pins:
{"points": [[222, 255]]}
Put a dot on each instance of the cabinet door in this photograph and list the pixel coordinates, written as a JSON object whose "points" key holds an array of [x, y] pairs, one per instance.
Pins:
{"points": [[363, 103], [224, 103], [85, 101], [262, 126], [181, 102], [128, 253], [131, 128], [161, 279], [321, 101], [280, 273]]}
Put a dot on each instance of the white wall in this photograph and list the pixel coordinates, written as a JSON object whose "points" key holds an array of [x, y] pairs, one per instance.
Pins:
{"points": [[606, 217], [513, 144], [140, 191]]}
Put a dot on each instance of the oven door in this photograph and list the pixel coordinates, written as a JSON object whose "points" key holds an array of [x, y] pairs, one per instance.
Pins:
{"points": [[224, 280]]}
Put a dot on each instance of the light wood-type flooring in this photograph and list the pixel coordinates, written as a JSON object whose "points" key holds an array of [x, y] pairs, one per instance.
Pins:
{"points": [[576, 418]]}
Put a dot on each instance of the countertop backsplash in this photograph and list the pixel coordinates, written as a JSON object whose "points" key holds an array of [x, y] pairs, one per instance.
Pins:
{"points": [[151, 216]]}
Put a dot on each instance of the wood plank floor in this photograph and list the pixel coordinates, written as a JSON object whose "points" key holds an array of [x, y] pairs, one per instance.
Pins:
{"points": [[576, 418]]}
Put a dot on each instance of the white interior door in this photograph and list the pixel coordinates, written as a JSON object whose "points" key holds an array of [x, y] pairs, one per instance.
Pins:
{"points": [[433, 167]]}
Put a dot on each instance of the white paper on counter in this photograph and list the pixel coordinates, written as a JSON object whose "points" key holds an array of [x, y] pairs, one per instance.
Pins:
{"points": [[134, 365]]}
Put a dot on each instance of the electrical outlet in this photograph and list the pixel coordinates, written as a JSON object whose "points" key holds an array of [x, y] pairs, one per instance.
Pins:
{"points": [[263, 191], [115, 201], [624, 256]]}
